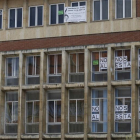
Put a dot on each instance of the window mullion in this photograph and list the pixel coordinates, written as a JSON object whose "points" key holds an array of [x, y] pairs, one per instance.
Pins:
{"points": [[100, 9], [123, 8], [57, 14], [15, 17], [56, 64], [14, 66], [12, 112], [36, 14], [54, 112], [99, 60], [35, 65], [32, 111], [76, 110]]}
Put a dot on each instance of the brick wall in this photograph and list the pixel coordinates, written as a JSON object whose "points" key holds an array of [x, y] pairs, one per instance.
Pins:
{"points": [[138, 8], [71, 41]]}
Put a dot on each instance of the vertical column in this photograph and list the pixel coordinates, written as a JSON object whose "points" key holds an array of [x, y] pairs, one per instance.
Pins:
{"points": [[20, 97], [134, 8], [5, 15], [111, 9], [109, 66], [133, 91], [25, 14], [41, 96], [45, 13], [89, 11]]}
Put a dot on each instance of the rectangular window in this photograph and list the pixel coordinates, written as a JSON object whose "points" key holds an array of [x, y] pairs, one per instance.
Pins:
{"points": [[76, 67], [123, 8], [122, 64], [15, 18], [99, 111], [76, 110], [122, 110], [11, 113], [54, 112], [57, 13], [54, 68], [79, 3], [12, 71], [36, 16], [100, 10], [99, 66], [1, 18], [32, 112], [33, 70]]}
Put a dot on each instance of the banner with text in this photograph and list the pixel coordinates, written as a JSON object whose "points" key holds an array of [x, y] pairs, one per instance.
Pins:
{"points": [[122, 116], [103, 63]]}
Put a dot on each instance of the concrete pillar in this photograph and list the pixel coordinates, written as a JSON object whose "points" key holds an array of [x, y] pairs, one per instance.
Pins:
{"points": [[89, 11], [134, 7], [25, 14], [5, 15], [111, 9]]}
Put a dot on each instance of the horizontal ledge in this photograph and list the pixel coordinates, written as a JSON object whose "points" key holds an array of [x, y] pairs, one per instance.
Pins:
{"points": [[30, 136], [6, 88], [30, 87], [75, 85], [54, 86], [121, 135], [74, 136], [121, 83], [8, 136], [97, 135], [137, 82], [54, 136], [97, 84], [138, 135]]}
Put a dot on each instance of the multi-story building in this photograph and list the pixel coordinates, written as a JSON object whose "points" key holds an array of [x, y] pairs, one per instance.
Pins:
{"points": [[78, 81]]}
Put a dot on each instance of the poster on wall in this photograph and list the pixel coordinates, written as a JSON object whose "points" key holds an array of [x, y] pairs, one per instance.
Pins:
{"points": [[95, 109], [121, 107], [95, 117], [122, 116], [75, 14], [103, 63]]}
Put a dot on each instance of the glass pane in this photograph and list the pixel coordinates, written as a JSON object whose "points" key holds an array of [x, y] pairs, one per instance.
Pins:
{"points": [[128, 103], [19, 17], [80, 111], [51, 111], [58, 111], [99, 127], [32, 95], [37, 65], [118, 53], [74, 4], [0, 19], [17, 66], [51, 64], [53, 96], [32, 16], [55, 128], [32, 128], [59, 64], [40, 15], [9, 112], [11, 96], [53, 14], [15, 112], [82, 3], [104, 9], [103, 110], [29, 111], [30, 65], [81, 62], [73, 63], [123, 92], [72, 111], [61, 13], [119, 8], [76, 127], [9, 66], [12, 18], [76, 94], [96, 10], [123, 127], [127, 53], [95, 61], [11, 128], [36, 112], [127, 8]]}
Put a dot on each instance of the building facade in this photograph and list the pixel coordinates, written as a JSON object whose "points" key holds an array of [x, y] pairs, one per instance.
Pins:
{"points": [[66, 81]]}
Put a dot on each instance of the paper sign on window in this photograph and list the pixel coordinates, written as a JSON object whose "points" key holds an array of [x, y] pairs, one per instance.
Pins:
{"points": [[95, 109], [60, 12], [103, 63], [95, 117], [121, 108], [122, 116], [95, 62]]}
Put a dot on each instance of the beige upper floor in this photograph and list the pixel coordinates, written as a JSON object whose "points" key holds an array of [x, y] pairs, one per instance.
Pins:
{"points": [[66, 29]]}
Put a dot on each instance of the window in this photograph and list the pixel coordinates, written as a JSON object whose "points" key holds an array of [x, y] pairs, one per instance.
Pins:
{"points": [[1, 18], [79, 3], [99, 111], [76, 67], [54, 112], [11, 113], [123, 8], [123, 110], [54, 68], [32, 112], [36, 16], [12, 71], [57, 13], [15, 18], [99, 66], [100, 10], [76, 110], [122, 65], [33, 70]]}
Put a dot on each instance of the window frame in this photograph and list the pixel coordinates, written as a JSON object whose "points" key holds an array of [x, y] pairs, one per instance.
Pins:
{"points": [[101, 17], [130, 107], [138, 64], [36, 15], [47, 109], [12, 112], [79, 3], [56, 13], [2, 20], [15, 17], [123, 10]]}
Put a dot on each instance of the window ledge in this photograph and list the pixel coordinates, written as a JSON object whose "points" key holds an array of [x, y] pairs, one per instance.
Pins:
{"points": [[99, 20], [35, 26], [31, 87], [97, 135], [70, 23], [75, 85], [52, 86], [29, 136], [14, 28], [97, 84], [123, 18], [56, 24], [137, 82], [8, 136], [10, 88], [138, 135], [121, 83], [74, 136], [117, 135], [54, 136]]}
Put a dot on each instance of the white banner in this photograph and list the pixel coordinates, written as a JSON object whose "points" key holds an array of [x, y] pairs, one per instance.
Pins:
{"points": [[121, 107], [103, 63], [122, 116], [95, 117], [95, 109], [75, 14]]}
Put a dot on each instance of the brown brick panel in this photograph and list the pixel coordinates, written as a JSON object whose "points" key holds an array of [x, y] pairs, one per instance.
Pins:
{"points": [[70, 41], [138, 8]]}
